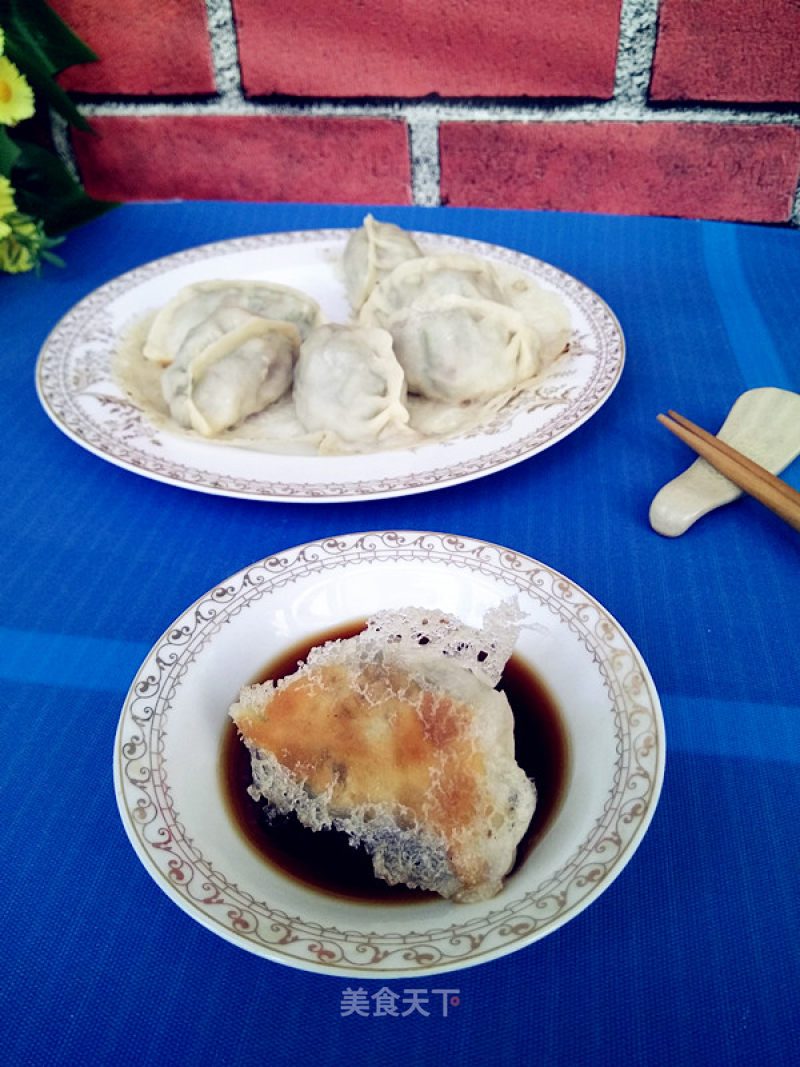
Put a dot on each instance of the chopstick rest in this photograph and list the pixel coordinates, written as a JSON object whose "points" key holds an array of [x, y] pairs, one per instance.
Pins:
{"points": [[764, 425]]}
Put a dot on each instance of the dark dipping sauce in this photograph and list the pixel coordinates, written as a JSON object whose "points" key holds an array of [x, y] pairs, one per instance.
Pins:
{"points": [[324, 859]]}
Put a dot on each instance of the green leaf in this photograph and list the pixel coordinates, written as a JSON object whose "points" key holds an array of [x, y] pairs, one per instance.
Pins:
{"points": [[9, 153], [45, 189], [38, 31], [42, 45]]}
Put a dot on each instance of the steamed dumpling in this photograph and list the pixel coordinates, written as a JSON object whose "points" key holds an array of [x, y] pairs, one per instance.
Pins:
{"points": [[423, 282], [465, 329], [543, 309], [347, 382], [372, 252], [462, 349], [195, 304], [214, 387], [223, 320]]}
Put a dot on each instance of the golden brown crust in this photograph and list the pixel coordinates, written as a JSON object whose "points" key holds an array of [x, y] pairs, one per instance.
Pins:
{"points": [[363, 742], [409, 750]]}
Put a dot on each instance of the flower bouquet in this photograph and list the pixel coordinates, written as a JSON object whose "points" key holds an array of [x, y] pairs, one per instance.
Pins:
{"points": [[40, 200]]}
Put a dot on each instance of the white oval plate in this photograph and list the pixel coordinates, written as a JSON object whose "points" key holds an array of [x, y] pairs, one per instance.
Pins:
{"points": [[77, 389], [166, 763]]}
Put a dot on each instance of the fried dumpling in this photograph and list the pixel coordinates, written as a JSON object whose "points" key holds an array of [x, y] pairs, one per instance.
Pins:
{"points": [[212, 387], [348, 383], [394, 738], [190, 308], [371, 253]]}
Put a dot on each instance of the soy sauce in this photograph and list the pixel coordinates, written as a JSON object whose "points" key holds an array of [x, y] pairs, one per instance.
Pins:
{"points": [[324, 859]]}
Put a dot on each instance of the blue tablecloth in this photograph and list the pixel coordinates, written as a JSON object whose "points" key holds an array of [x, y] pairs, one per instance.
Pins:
{"points": [[691, 955]]}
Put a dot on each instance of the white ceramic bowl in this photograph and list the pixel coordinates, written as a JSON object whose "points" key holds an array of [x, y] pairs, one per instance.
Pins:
{"points": [[167, 754]]}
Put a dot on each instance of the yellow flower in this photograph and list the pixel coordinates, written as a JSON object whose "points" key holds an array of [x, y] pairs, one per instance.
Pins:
{"points": [[16, 96], [7, 204], [15, 248], [24, 245]]}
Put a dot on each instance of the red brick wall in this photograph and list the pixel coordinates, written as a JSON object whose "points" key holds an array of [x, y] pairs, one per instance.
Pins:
{"points": [[677, 107]]}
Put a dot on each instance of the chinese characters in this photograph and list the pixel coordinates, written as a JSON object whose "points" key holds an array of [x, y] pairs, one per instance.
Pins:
{"points": [[387, 1002]]}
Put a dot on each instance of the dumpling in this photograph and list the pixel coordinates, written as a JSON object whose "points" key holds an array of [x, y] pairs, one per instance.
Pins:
{"points": [[223, 320], [373, 251], [423, 282], [543, 309], [194, 304], [462, 349], [405, 749], [213, 387], [348, 383], [465, 329]]}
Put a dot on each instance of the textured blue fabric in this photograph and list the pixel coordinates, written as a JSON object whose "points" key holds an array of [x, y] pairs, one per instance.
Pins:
{"points": [[690, 956]]}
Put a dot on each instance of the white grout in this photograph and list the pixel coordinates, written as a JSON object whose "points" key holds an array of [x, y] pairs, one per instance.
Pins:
{"points": [[476, 109], [59, 131], [224, 49], [637, 44], [794, 217], [425, 171]]}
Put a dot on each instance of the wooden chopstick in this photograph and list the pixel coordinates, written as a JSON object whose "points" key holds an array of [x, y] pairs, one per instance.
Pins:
{"points": [[740, 469]]}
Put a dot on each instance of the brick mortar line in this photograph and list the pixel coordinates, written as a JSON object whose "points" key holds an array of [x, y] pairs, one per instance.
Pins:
{"points": [[59, 131], [423, 136], [410, 111], [224, 48], [638, 32]]}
